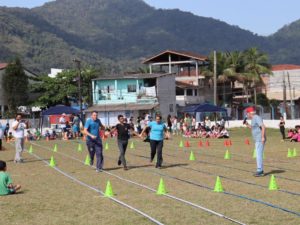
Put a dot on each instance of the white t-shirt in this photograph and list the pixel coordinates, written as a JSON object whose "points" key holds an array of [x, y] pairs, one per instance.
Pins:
{"points": [[19, 132], [62, 122]]}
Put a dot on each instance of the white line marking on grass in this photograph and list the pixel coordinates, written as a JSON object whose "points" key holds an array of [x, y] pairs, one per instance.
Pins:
{"points": [[97, 190], [100, 192], [153, 190]]}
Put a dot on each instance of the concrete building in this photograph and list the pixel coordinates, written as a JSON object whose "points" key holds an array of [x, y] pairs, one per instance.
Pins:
{"points": [[133, 95], [191, 86], [286, 74], [284, 85]]}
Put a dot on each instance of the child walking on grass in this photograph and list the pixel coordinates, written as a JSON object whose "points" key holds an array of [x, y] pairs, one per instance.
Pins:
{"points": [[6, 185]]}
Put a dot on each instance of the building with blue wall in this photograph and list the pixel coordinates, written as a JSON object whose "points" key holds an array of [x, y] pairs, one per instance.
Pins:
{"points": [[133, 95]]}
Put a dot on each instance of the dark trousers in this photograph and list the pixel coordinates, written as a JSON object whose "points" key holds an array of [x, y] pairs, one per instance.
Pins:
{"points": [[282, 131], [139, 129], [122, 144], [95, 148], [157, 146], [0, 144]]}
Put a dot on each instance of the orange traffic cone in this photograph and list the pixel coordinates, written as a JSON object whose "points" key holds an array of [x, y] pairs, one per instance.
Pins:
{"points": [[200, 144], [247, 142], [187, 144], [207, 143]]}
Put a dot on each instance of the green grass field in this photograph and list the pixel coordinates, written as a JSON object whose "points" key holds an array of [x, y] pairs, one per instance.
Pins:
{"points": [[56, 196]]}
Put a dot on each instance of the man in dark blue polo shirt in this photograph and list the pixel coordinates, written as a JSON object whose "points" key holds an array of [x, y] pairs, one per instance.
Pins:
{"points": [[92, 129]]}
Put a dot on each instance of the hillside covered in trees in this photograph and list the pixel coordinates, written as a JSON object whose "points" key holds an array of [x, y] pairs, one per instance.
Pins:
{"points": [[117, 34]]}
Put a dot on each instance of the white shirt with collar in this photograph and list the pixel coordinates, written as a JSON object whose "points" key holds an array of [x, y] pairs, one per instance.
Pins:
{"points": [[19, 132]]}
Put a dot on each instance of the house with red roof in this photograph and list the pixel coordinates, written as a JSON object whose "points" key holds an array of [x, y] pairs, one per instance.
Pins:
{"points": [[284, 83], [283, 74]]}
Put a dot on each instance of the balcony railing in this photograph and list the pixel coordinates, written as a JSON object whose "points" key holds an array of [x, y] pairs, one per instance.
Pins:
{"points": [[112, 98]]}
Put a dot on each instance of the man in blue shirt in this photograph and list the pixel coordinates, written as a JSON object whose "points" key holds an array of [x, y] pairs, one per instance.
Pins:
{"points": [[259, 136], [92, 129], [158, 129]]}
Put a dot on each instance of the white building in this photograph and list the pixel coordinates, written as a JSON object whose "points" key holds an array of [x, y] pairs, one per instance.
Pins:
{"points": [[286, 74], [54, 72]]}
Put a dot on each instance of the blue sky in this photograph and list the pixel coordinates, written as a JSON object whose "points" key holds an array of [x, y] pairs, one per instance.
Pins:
{"points": [[259, 16]]}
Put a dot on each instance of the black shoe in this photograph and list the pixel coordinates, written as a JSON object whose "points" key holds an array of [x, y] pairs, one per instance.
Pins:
{"points": [[119, 162], [259, 174], [125, 168], [99, 170], [158, 167]]}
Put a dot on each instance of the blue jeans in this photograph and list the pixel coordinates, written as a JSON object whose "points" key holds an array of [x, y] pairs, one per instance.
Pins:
{"points": [[95, 148], [259, 147]]}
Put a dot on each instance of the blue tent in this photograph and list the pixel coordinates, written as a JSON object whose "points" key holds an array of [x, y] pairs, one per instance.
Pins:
{"points": [[60, 109], [204, 108], [57, 110]]}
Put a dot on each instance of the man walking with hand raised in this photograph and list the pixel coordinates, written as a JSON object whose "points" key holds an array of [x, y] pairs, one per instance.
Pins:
{"points": [[259, 136]]}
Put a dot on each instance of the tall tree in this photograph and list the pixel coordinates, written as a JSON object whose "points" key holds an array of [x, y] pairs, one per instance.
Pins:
{"points": [[15, 85], [234, 68], [256, 63], [64, 87], [87, 74]]}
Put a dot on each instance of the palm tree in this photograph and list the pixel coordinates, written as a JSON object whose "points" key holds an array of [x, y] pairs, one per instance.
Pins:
{"points": [[255, 64], [221, 65], [234, 67]]}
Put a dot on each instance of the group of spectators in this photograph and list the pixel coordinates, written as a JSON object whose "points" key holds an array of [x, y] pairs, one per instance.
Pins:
{"points": [[293, 134], [189, 127]]}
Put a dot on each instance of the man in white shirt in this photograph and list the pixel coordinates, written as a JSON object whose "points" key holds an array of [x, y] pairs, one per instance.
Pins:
{"points": [[19, 126], [62, 121]]}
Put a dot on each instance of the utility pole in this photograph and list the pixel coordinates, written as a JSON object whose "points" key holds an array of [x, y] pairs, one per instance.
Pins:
{"points": [[215, 77], [284, 94], [294, 97], [78, 64], [255, 95], [291, 98], [294, 93]]}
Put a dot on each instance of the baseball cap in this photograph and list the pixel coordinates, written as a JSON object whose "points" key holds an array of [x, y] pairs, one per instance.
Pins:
{"points": [[250, 109]]}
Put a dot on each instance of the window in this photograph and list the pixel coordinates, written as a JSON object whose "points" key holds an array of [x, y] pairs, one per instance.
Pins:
{"points": [[171, 108], [131, 87], [179, 91], [189, 92], [110, 89]]}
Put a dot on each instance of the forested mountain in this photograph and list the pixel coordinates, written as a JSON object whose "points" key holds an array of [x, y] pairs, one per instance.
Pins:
{"points": [[285, 44], [119, 33]]}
